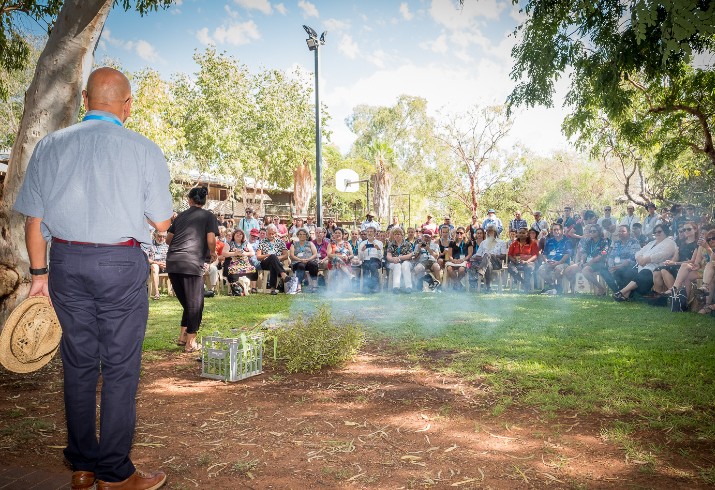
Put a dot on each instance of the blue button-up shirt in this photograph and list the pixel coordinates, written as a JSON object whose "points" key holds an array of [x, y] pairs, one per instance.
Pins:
{"points": [[96, 181]]}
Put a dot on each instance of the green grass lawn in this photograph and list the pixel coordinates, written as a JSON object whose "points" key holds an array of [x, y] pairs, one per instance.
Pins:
{"points": [[582, 354]]}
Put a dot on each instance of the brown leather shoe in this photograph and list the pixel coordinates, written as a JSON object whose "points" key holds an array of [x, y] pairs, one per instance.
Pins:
{"points": [[82, 480], [138, 481]]}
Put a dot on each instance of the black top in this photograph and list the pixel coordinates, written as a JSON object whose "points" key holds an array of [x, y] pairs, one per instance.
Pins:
{"points": [[459, 251], [189, 249], [686, 250]]}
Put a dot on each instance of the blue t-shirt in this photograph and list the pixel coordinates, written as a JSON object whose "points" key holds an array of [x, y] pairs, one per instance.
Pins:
{"points": [[556, 249]]}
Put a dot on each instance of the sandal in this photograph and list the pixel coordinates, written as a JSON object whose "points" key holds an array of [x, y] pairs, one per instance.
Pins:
{"points": [[193, 349], [156, 296], [618, 296], [254, 290], [181, 343], [707, 309]]}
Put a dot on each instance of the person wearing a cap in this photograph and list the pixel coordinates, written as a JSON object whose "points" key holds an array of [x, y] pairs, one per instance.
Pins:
{"points": [[98, 275], [426, 267], [492, 220], [248, 222], [370, 222], [630, 218], [539, 223], [650, 221], [429, 224]]}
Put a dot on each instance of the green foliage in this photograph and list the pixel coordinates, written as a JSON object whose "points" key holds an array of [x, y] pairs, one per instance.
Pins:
{"points": [[16, 83], [313, 342], [15, 50]]}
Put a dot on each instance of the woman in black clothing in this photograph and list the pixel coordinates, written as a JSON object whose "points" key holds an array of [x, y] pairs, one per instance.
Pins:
{"points": [[192, 245]]}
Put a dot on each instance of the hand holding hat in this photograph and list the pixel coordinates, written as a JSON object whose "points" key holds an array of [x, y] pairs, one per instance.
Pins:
{"points": [[31, 336]]}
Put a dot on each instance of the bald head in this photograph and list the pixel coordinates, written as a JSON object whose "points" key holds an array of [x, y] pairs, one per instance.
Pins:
{"points": [[108, 90]]}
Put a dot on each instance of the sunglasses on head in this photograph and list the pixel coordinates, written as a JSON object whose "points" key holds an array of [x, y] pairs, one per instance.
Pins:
{"points": [[711, 238]]}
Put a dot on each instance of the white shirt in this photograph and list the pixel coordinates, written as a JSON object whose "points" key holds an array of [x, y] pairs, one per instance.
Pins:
{"points": [[497, 247], [375, 252], [365, 224], [629, 221]]}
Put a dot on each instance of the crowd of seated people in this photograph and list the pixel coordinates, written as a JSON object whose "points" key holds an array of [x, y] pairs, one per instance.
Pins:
{"points": [[642, 254]]}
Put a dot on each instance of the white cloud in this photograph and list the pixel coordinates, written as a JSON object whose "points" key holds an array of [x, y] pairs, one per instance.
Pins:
{"points": [[202, 35], [146, 51], [281, 9], [348, 47], [377, 58], [336, 25], [263, 6], [236, 34], [230, 12], [405, 11], [439, 45], [448, 13], [449, 88], [309, 9]]}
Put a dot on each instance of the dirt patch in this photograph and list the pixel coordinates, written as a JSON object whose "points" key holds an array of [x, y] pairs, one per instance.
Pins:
{"points": [[381, 422]]}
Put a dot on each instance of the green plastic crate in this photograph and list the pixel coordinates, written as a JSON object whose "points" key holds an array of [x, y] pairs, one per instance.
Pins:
{"points": [[232, 359]]}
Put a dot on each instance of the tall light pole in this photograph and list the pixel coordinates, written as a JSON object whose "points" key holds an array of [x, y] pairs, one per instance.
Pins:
{"points": [[314, 45]]}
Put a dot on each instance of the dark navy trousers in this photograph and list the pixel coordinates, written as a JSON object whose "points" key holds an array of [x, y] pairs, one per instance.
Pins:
{"points": [[101, 300]]}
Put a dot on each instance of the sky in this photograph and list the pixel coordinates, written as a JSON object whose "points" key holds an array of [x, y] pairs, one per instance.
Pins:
{"points": [[376, 50]]}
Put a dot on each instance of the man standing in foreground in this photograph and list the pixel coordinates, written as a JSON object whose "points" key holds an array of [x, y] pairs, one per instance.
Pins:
{"points": [[94, 188]]}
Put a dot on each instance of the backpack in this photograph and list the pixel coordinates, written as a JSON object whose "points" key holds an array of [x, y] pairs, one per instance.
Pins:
{"points": [[679, 301]]}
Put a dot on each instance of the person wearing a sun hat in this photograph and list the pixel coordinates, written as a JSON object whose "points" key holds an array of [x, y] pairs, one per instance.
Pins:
{"points": [[92, 188], [370, 222], [492, 220]]}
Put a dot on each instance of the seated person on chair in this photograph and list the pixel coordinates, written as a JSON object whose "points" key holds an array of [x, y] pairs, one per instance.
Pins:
{"points": [[426, 267], [399, 260], [322, 245], [371, 255], [557, 252], [239, 253], [523, 253], [457, 255], [340, 254], [443, 240], [591, 252], [157, 260], [271, 253], [304, 257], [649, 258], [488, 257], [621, 256]]}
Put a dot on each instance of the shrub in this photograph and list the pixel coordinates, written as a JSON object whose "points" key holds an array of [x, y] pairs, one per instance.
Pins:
{"points": [[313, 342]]}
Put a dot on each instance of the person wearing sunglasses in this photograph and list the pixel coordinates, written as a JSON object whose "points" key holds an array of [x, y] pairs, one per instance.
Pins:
{"points": [[457, 255], [664, 277], [707, 246], [650, 257]]}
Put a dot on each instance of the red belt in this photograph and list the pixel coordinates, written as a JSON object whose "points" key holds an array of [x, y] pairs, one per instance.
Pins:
{"points": [[129, 243]]}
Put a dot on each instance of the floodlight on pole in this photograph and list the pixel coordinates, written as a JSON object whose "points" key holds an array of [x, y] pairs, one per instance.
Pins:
{"points": [[314, 44]]}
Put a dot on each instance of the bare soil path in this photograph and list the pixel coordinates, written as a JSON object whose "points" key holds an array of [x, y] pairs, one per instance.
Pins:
{"points": [[380, 422]]}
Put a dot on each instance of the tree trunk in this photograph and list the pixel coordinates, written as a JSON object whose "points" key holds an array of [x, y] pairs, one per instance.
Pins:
{"points": [[302, 188], [383, 189], [473, 192], [51, 102]]}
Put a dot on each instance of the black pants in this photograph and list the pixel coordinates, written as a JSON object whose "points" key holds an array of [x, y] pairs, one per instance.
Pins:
{"points": [[643, 279], [300, 267], [274, 267], [100, 297], [371, 274], [522, 272], [189, 291]]}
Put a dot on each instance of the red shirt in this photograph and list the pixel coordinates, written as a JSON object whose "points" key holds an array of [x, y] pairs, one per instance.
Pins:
{"points": [[525, 250]]}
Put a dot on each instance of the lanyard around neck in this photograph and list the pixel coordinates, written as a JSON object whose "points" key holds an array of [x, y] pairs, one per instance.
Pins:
{"points": [[99, 117]]}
